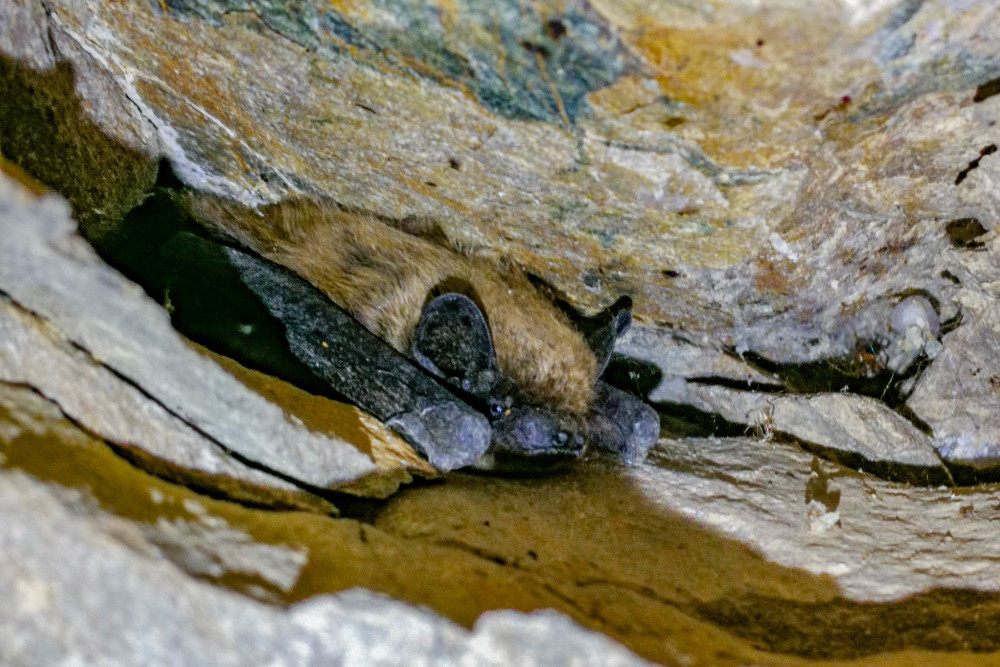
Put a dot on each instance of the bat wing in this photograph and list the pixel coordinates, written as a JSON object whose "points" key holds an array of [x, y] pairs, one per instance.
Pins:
{"points": [[365, 369]]}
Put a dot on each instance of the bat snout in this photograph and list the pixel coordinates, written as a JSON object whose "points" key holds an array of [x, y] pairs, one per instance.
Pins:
{"points": [[526, 438]]}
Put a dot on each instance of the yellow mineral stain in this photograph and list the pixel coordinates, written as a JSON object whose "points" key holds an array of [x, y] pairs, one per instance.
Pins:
{"points": [[750, 84], [624, 96], [16, 173]]}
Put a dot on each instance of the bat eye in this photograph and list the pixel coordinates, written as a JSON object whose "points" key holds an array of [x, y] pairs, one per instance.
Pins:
{"points": [[497, 409]]}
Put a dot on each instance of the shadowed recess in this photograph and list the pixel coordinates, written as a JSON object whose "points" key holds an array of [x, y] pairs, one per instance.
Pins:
{"points": [[45, 131]]}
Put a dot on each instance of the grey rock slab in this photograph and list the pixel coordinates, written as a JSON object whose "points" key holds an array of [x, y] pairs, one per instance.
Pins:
{"points": [[847, 423], [24, 34], [740, 407], [74, 593], [513, 638], [101, 402], [886, 541], [46, 268], [856, 424], [957, 395], [103, 91], [679, 359], [210, 547], [756, 219]]}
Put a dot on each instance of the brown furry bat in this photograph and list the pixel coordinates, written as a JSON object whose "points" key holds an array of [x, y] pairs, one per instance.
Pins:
{"points": [[383, 277], [476, 323]]}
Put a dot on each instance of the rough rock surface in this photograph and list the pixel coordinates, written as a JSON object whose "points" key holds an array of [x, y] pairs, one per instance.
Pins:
{"points": [[957, 395], [801, 202], [49, 271], [790, 217], [61, 571], [887, 540], [614, 549]]}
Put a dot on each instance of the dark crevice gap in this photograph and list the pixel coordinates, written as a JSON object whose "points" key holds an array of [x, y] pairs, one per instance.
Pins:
{"points": [[678, 420], [631, 375], [907, 413], [987, 90], [974, 164], [740, 385], [215, 486], [970, 475], [208, 301], [237, 456], [861, 373], [887, 470], [965, 233]]}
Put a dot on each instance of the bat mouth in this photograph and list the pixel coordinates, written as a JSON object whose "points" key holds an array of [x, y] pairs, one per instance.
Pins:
{"points": [[526, 438]]}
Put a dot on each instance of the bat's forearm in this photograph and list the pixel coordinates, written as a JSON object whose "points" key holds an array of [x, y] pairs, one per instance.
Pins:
{"points": [[363, 368]]}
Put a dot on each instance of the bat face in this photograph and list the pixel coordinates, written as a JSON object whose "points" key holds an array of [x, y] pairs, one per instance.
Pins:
{"points": [[453, 342]]}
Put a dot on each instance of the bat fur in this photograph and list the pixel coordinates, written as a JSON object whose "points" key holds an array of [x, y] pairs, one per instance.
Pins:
{"points": [[383, 276]]}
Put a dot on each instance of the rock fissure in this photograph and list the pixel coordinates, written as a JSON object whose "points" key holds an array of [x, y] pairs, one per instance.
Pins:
{"points": [[213, 486], [305, 486]]}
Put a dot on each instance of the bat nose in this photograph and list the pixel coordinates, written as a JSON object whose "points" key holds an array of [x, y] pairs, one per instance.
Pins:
{"points": [[528, 438]]}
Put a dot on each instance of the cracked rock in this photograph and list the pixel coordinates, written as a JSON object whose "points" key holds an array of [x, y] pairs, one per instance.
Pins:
{"points": [[858, 430], [123, 342], [956, 396], [98, 400], [853, 424], [879, 540], [782, 188]]}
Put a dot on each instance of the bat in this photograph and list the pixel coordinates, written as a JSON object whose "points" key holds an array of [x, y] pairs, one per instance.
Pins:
{"points": [[459, 353]]}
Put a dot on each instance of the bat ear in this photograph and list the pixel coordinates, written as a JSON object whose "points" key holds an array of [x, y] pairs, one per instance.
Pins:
{"points": [[453, 342], [602, 340]]}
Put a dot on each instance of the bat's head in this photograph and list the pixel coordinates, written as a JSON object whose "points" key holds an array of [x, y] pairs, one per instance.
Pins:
{"points": [[453, 341]]}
